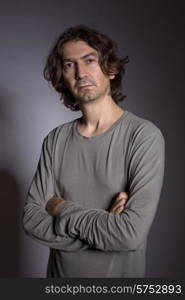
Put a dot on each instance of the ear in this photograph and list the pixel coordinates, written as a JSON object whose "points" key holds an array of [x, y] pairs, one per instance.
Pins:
{"points": [[112, 76], [112, 73]]}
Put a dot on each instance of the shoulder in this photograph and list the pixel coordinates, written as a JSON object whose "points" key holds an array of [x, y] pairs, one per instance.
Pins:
{"points": [[142, 128], [58, 135], [62, 130]]}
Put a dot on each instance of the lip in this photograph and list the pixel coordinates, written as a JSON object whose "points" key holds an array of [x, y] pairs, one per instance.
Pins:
{"points": [[84, 86]]}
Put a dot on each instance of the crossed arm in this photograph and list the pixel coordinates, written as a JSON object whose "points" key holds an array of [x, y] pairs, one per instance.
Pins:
{"points": [[54, 204], [67, 226]]}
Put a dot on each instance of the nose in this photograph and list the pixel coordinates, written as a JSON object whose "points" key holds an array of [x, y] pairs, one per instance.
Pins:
{"points": [[80, 71]]}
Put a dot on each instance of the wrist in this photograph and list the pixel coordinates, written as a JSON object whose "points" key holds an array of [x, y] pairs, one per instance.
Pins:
{"points": [[53, 206]]}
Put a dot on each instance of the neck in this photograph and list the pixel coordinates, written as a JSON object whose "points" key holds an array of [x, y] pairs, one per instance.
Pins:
{"points": [[100, 113]]}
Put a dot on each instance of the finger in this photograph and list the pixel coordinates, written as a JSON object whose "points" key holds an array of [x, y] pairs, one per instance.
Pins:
{"points": [[116, 207], [119, 209], [119, 200], [121, 203], [123, 195]]}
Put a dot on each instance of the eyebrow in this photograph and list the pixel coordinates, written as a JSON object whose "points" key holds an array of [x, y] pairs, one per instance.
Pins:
{"points": [[81, 58]]}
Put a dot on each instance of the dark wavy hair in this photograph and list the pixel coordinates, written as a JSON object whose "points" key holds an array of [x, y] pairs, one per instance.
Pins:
{"points": [[108, 60]]}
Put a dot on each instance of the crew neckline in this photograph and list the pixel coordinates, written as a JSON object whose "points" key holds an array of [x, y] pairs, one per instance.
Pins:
{"points": [[95, 137]]}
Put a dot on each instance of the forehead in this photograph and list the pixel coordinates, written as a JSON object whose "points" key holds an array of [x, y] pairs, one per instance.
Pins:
{"points": [[77, 49]]}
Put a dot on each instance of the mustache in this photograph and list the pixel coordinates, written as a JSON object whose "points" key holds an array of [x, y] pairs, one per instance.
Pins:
{"points": [[84, 82]]}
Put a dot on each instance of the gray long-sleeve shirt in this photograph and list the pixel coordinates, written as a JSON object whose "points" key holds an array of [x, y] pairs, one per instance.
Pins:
{"points": [[85, 239]]}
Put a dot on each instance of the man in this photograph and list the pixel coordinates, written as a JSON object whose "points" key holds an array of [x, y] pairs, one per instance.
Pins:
{"points": [[96, 189]]}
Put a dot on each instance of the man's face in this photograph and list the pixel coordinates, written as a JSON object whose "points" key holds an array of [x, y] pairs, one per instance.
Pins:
{"points": [[82, 73]]}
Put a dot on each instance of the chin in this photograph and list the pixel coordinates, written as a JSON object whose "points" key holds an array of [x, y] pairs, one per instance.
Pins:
{"points": [[86, 100]]}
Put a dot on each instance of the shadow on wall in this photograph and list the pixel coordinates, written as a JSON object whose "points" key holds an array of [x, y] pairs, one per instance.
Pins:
{"points": [[9, 227]]}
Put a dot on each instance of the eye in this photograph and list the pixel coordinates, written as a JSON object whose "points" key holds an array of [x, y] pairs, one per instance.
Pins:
{"points": [[89, 61], [68, 65]]}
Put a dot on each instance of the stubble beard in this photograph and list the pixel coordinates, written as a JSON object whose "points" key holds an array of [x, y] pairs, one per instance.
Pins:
{"points": [[88, 95]]}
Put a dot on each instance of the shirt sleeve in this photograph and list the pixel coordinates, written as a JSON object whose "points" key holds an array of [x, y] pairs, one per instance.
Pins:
{"points": [[127, 231], [37, 223]]}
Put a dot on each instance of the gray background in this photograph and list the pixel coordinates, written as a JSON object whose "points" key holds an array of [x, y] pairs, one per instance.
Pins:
{"points": [[152, 34]]}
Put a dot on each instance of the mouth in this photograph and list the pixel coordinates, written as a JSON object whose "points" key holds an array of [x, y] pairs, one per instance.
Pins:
{"points": [[84, 86]]}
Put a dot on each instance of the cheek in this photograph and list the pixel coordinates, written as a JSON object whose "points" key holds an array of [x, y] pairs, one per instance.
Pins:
{"points": [[68, 83], [104, 80], [101, 77]]}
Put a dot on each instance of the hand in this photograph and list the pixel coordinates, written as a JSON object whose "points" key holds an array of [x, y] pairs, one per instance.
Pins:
{"points": [[53, 206], [119, 203]]}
